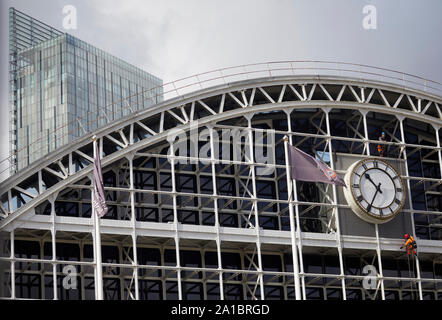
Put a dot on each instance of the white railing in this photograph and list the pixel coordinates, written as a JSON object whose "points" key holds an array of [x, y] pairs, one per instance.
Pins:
{"points": [[284, 68]]}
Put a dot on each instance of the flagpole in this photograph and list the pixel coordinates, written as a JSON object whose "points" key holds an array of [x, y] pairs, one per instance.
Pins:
{"points": [[292, 222], [97, 238]]}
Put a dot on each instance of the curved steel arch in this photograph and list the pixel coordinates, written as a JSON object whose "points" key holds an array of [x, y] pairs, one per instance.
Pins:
{"points": [[207, 106]]}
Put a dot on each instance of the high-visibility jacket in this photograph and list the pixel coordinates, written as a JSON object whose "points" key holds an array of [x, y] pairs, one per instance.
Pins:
{"points": [[410, 242], [381, 146]]}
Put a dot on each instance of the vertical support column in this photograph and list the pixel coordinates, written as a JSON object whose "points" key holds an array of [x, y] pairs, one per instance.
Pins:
{"points": [[243, 278], [97, 256], [121, 276], [335, 202], [82, 277], [378, 251], [163, 273], [376, 226], [215, 208], [364, 120], [204, 279], [12, 235], [278, 205], [157, 185], [97, 242], [175, 220], [292, 224], [42, 271], [2, 265], [54, 247], [40, 182], [298, 232], [131, 131], [133, 220], [436, 129], [198, 190], [401, 124], [284, 278], [94, 244], [11, 207], [70, 165], [255, 206]]}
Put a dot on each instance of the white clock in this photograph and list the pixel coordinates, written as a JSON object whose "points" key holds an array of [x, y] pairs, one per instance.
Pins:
{"points": [[375, 191]]}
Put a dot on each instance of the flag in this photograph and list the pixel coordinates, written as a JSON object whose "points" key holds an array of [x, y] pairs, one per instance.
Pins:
{"points": [[98, 199], [304, 167]]}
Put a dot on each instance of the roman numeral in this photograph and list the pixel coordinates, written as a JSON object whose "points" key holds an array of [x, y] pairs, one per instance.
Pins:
{"points": [[355, 185], [360, 198], [397, 201], [395, 177], [375, 164], [391, 210], [369, 207], [398, 189], [365, 167], [381, 212]]}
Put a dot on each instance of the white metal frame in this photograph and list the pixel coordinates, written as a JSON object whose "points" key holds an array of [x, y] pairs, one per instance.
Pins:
{"points": [[184, 112]]}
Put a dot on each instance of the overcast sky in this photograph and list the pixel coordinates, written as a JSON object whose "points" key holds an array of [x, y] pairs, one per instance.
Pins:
{"points": [[174, 39]]}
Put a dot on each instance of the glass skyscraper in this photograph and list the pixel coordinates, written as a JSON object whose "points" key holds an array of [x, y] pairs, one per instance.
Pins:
{"points": [[61, 88]]}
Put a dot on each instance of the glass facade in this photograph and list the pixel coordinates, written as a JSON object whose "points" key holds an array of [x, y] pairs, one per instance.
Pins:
{"points": [[62, 87]]}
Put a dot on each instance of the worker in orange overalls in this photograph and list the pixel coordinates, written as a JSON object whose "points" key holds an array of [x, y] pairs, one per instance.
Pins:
{"points": [[410, 244], [381, 147]]}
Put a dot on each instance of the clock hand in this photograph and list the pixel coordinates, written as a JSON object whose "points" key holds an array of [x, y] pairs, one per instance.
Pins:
{"points": [[377, 187]]}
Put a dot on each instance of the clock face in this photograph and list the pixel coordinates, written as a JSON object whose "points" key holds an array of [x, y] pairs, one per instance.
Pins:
{"points": [[375, 191]]}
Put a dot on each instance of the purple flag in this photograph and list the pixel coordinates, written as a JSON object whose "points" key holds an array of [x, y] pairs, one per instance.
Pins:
{"points": [[98, 199], [304, 167]]}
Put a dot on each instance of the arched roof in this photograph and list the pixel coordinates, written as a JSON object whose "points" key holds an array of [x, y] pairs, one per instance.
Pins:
{"points": [[24, 190]]}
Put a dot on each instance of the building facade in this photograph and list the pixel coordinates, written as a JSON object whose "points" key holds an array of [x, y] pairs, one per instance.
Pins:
{"points": [[215, 226], [62, 87]]}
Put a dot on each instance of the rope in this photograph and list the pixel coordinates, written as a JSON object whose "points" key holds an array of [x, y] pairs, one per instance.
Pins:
{"points": [[409, 275], [415, 266], [414, 275], [413, 289]]}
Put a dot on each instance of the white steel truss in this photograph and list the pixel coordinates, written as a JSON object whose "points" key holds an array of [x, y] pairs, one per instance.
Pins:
{"points": [[130, 143]]}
